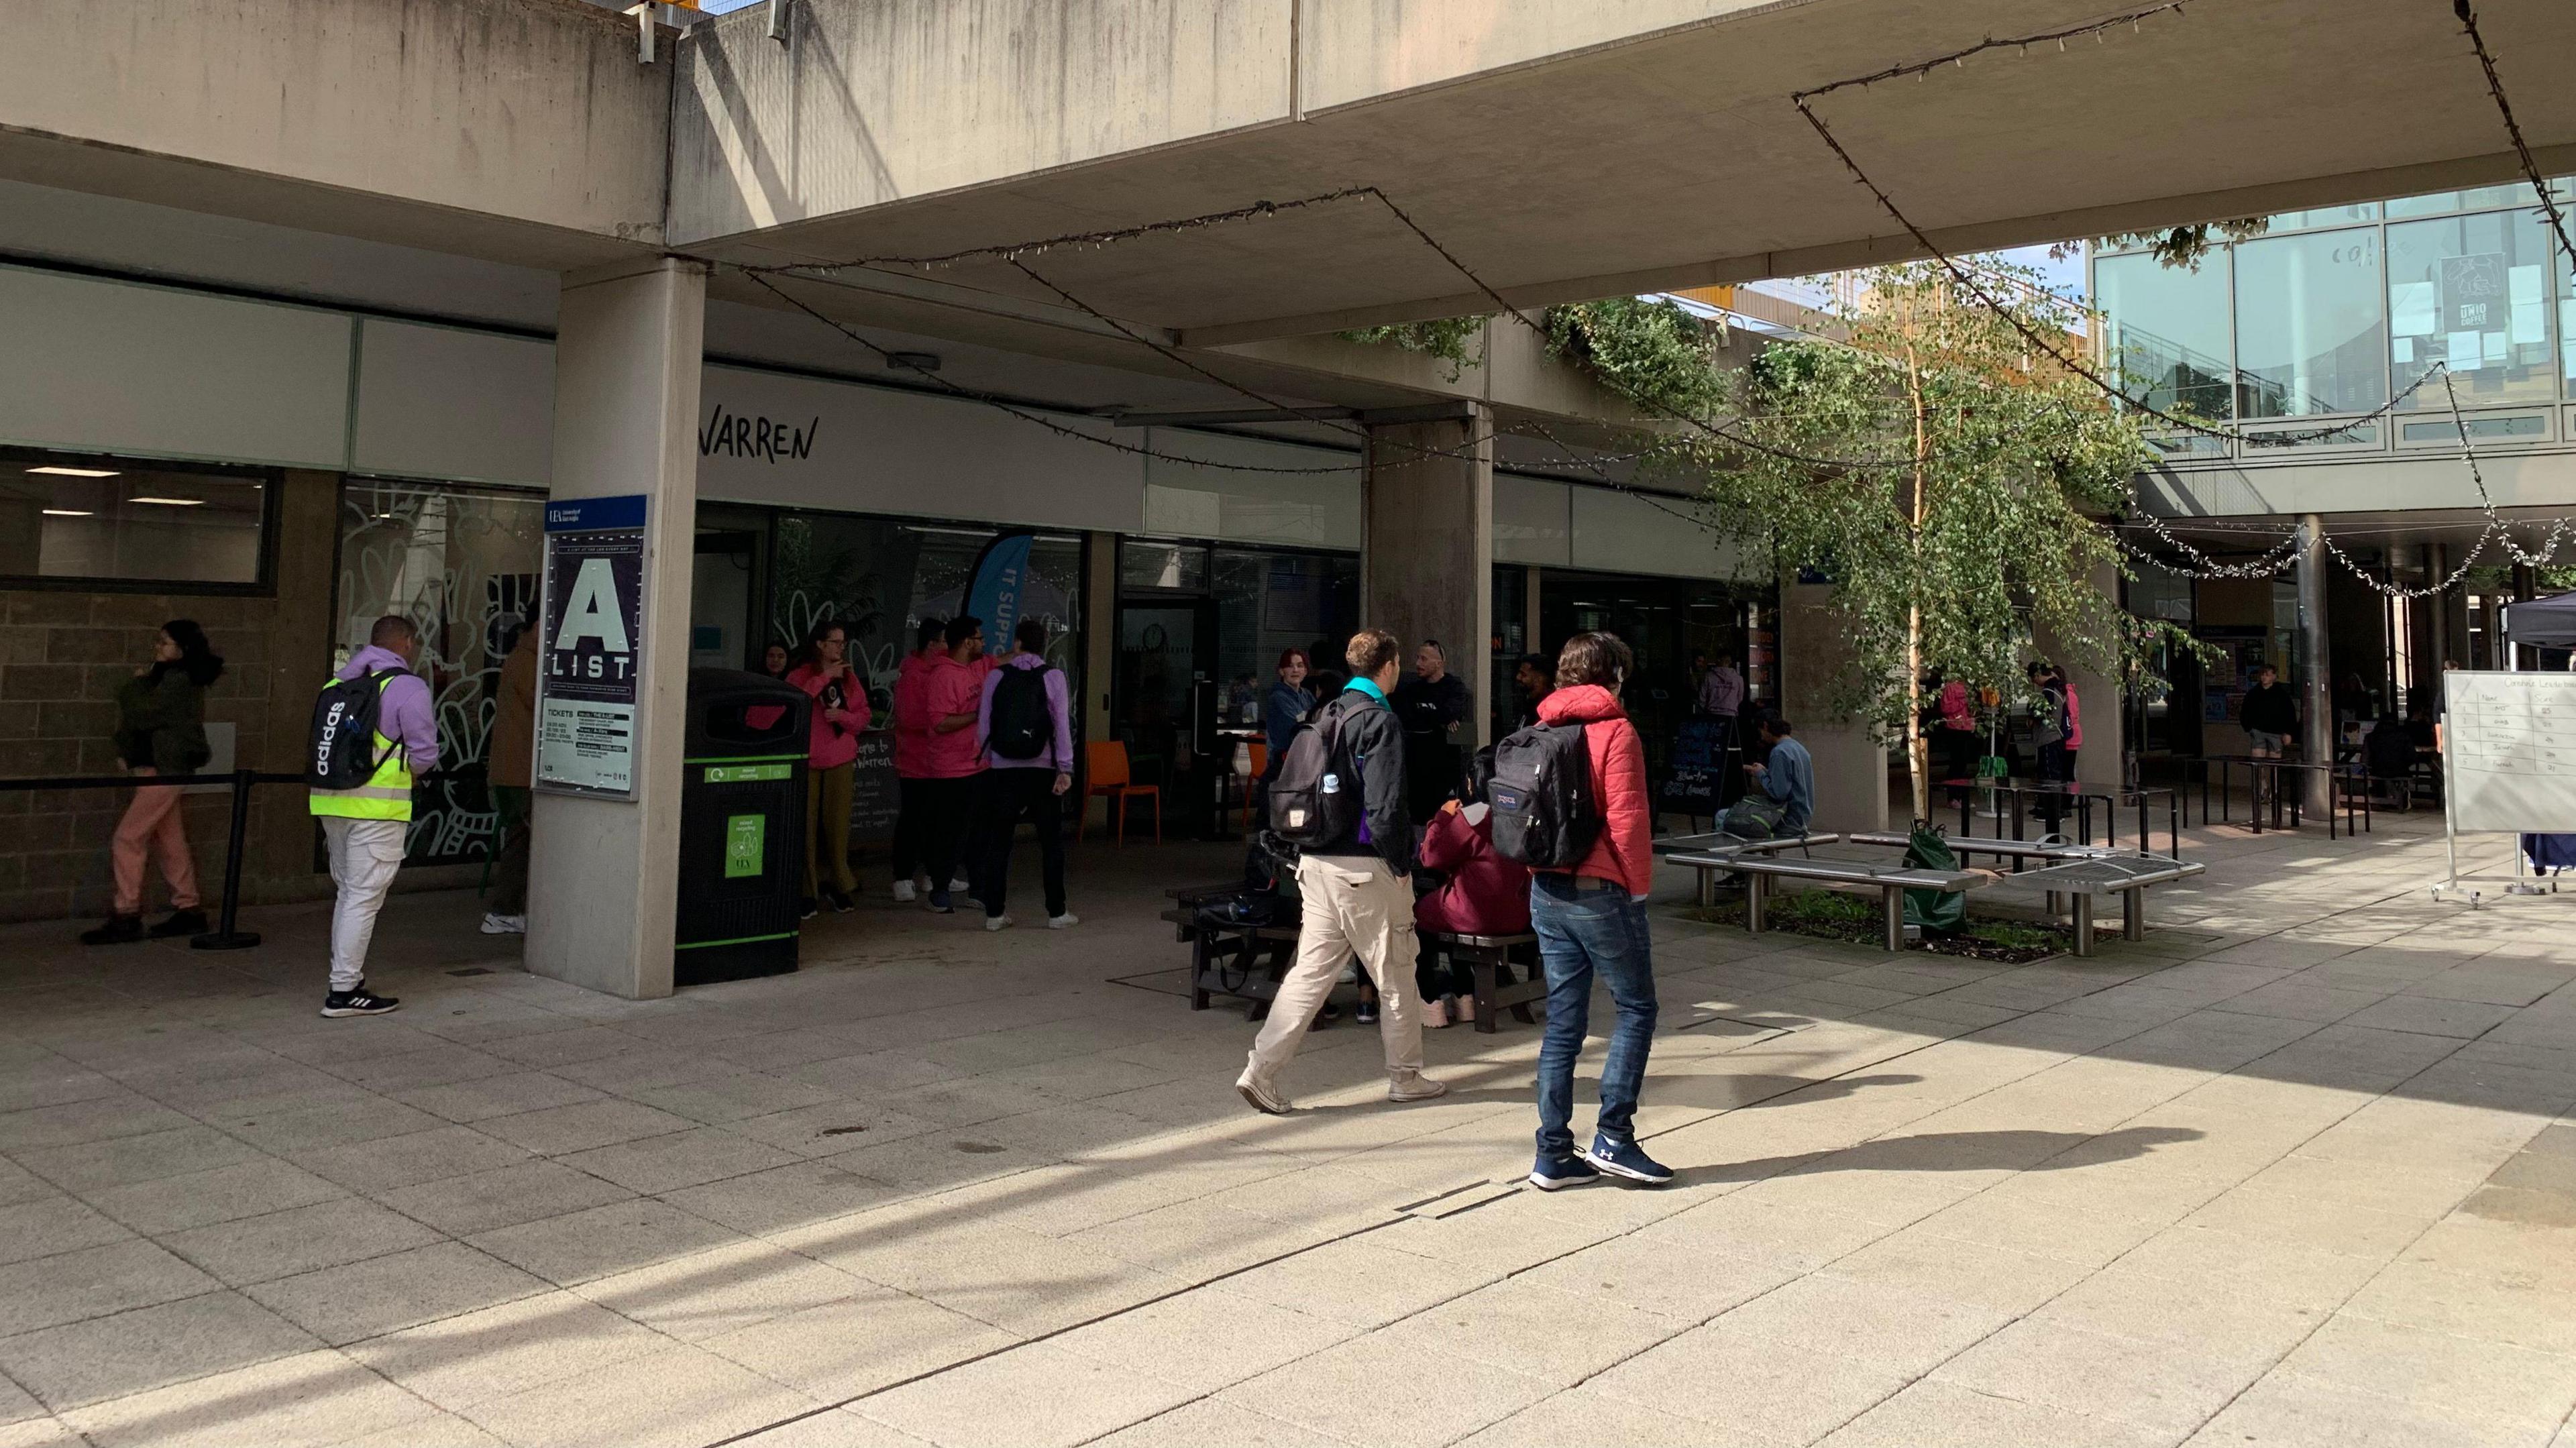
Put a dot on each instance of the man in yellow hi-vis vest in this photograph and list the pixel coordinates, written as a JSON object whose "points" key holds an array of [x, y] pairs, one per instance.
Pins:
{"points": [[366, 826]]}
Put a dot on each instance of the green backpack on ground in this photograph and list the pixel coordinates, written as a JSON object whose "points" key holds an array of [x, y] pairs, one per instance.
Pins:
{"points": [[1937, 911]]}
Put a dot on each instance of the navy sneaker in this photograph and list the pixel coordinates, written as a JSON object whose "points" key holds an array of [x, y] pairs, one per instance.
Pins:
{"points": [[1626, 1159], [1556, 1173], [939, 903]]}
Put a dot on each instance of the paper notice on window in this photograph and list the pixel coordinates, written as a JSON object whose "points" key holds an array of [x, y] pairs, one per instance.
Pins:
{"points": [[2465, 353], [2401, 350], [2492, 345], [2412, 306]]}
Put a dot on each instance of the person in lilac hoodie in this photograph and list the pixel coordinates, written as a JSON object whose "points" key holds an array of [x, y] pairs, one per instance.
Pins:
{"points": [[365, 827], [1024, 728]]}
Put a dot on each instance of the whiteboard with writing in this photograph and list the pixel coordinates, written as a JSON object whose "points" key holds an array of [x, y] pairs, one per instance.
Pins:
{"points": [[2510, 751]]}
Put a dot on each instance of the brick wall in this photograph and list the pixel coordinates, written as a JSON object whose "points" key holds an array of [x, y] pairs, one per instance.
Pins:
{"points": [[62, 655]]}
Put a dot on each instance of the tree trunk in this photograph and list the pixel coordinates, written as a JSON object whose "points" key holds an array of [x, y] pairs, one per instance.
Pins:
{"points": [[1918, 763]]}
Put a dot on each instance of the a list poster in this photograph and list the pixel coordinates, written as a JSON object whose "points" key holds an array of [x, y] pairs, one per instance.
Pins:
{"points": [[590, 657]]}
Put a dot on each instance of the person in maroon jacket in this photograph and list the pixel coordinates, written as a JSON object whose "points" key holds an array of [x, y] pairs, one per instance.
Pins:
{"points": [[1485, 895]]}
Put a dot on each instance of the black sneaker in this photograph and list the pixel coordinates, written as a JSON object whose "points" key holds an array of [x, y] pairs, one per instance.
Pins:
{"points": [[359, 1002], [805, 909], [181, 922], [117, 930], [842, 904], [940, 904], [1366, 1015]]}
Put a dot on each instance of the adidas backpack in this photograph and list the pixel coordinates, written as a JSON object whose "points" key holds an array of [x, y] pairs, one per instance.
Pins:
{"points": [[1315, 797], [1544, 813], [1022, 727], [341, 753]]}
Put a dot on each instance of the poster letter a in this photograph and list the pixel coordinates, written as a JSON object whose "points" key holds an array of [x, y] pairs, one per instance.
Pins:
{"points": [[592, 611]]}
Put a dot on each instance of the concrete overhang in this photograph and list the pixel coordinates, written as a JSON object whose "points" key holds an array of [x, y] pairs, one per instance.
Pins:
{"points": [[520, 131], [1561, 151]]}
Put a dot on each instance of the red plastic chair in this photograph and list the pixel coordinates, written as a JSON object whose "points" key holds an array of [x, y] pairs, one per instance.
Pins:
{"points": [[1105, 766]]}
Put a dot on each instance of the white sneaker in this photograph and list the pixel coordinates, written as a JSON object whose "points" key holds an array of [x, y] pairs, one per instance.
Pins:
{"points": [[997, 922], [1060, 922], [960, 885], [904, 894], [498, 924]]}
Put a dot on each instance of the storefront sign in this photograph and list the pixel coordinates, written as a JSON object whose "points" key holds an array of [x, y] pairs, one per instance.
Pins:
{"points": [[993, 592], [590, 657]]}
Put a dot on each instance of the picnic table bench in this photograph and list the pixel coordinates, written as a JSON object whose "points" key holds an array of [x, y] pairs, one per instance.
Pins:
{"points": [[1891, 881], [1708, 853], [2079, 872]]}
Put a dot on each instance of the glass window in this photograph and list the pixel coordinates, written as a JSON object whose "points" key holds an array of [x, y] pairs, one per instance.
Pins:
{"points": [[1180, 567], [879, 579], [1270, 602], [2309, 333], [111, 520], [464, 565], [2471, 292], [2443, 202], [2168, 329], [2325, 216]]}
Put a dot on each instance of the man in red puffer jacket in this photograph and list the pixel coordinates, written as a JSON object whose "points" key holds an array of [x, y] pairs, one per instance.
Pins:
{"points": [[1592, 920]]}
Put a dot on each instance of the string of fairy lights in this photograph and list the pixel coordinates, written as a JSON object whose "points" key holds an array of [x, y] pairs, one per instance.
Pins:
{"points": [[2285, 553]]}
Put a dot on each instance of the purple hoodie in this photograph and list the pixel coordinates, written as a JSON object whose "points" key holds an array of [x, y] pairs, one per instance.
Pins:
{"points": [[404, 714], [1058, 755]]}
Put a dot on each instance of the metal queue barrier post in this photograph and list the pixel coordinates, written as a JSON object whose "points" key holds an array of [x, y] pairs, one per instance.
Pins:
{"points": [[227, 934]]}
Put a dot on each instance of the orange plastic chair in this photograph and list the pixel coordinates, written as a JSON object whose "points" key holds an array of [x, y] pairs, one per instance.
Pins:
{"points": [[1105, 764]]}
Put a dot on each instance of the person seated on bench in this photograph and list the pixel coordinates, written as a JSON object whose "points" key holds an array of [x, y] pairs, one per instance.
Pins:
{"points": [[1787, 780], [1485, 895], [2389, 754]]}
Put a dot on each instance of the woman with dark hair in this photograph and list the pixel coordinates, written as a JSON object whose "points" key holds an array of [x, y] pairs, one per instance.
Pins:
{"points": [[1286, 703], [160, 729], [840, 715]]}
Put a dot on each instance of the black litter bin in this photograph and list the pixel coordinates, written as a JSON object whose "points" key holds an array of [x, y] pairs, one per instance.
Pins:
{"points": [[742, 827]]}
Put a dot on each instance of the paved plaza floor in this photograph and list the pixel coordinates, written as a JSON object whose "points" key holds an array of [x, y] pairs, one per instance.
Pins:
{"points": [[2292, 1171]]}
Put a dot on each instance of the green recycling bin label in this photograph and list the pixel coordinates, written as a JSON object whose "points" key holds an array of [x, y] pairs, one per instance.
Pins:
{"points": [[746, 773], [744, 835]]}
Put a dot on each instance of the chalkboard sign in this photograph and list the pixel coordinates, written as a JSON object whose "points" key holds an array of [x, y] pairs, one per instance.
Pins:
{"points": [[874, 800], [1699, 753]]}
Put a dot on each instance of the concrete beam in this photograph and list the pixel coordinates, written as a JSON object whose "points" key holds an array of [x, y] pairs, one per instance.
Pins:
{"points": [[516, 130]]}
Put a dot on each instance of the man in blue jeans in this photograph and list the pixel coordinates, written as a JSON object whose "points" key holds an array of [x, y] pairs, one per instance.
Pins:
{"points": [[1591, 922]]}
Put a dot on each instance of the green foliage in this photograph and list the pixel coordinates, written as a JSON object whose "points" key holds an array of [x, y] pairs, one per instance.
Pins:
{"points": [[2011, 936], [1653, 351], [1948, 480], [2177, 246], [1451, 339]]}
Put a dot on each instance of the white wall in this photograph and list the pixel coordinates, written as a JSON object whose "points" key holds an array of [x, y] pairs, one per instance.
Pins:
{"points": [[95, 365], [161, 372]]}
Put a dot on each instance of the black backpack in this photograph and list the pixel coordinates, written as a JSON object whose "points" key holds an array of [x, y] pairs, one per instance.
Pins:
{"points": [[1022, 727], [1544, 813], [341, 752], [1315, 796]]}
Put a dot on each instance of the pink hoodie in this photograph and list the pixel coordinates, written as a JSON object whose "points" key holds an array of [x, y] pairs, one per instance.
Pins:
{"points": [[949, 687], [832, 743], [912, 718]]}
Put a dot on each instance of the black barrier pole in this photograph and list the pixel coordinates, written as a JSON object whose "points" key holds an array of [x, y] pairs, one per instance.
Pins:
{"points": [[225, 936]]}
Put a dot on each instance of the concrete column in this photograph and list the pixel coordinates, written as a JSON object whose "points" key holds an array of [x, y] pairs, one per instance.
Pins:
{"points": [[1851, 764], [1427, 539], [2317, 684], [603, 879]]}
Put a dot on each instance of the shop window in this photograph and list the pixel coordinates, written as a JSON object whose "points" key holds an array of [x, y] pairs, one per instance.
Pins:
{"points": [[2309, 333], [93, 521], [2325, 216], [464, 565], [2472, 292], [1163, 567], [2439, 203], [2169, 329]]}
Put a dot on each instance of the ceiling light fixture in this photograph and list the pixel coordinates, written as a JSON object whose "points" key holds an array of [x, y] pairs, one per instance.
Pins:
{"points": [[67, 512], [171, 502], [77, 472]]}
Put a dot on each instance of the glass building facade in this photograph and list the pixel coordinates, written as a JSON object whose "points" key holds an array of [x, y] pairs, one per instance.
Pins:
{"points": [[2332, 312]]}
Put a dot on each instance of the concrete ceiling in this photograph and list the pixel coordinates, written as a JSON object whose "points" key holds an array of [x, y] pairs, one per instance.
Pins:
{"points": [[1670, 158]]}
